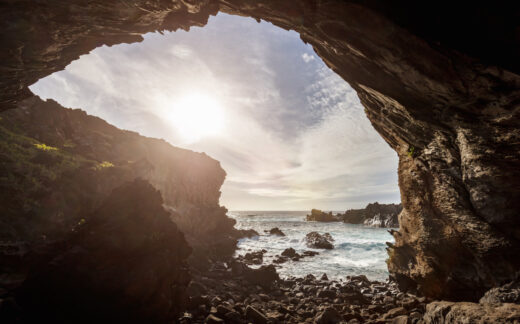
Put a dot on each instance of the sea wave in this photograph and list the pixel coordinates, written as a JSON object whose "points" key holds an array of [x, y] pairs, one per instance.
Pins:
{"points": [[358, 249]]}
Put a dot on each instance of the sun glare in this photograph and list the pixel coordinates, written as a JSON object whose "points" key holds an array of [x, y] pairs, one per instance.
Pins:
{"points": [[197, 116]]}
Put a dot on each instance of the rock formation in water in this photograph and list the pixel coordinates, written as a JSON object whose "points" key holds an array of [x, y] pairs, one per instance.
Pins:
{"points": [[127, 262], [319, 241], [317, 215], [440, 82], [375, 215]]}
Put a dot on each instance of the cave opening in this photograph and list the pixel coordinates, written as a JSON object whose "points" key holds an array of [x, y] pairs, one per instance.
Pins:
{"points": [[290, 134]]}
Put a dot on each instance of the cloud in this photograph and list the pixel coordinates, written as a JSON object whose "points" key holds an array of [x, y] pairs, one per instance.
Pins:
{"points": [[307, 58], [296, 136]]}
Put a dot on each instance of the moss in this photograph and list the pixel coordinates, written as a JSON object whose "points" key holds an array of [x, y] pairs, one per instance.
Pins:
{"points": [[411, 151], [44, 147], [104, 165]]}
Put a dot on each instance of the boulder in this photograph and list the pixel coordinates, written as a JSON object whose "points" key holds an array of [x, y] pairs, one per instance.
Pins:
{"points": [[289, 252], [319, 241], [246, 233], [276, 231], [126, 263], [463, 312], [508, 293]]}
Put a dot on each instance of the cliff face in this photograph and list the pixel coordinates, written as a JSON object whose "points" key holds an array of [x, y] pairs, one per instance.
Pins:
{"points": [[439, 82], [88, 158]]}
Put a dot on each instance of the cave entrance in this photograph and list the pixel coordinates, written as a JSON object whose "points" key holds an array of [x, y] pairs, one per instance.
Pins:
{"points": [[290, 133]]}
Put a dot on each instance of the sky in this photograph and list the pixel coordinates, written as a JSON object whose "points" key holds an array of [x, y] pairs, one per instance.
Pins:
{"points": [[290, 133]]}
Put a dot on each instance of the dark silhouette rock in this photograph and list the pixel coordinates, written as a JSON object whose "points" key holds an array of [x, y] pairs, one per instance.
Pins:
{"points": [[126, 263], [319, 241]]}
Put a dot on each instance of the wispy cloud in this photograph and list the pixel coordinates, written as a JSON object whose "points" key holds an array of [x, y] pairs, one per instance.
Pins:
{"points": [[295, 136]]}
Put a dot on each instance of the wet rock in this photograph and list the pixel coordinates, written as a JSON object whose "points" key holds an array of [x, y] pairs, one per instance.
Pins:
{"points": [[324, 277], [319, 241], [309, 253], [276, 231], [253, 257], [247, 233], [255, 316], [289, 252]]}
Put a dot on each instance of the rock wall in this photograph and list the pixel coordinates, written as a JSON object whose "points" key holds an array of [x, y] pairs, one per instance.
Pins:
{"points": [[439, 82]]}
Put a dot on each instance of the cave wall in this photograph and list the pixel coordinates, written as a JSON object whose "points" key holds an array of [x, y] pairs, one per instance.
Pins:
{"points": [[440, 83]]}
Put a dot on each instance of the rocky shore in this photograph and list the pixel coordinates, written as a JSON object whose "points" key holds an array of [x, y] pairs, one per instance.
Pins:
{"points": [[234, 293], [227, 294]]}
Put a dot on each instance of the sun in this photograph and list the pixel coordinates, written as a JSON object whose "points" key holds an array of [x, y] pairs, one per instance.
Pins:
{"points": [[196, 116]]}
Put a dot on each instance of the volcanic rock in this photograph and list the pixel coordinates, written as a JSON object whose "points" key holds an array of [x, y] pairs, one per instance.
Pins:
{"points": [[319, 241], [276, 231]]}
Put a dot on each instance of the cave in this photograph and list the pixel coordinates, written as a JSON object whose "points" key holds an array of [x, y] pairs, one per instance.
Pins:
{"points": [[439, 82]]}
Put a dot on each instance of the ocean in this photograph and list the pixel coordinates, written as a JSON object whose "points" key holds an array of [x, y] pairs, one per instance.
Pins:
{"points": [[357, 249]]}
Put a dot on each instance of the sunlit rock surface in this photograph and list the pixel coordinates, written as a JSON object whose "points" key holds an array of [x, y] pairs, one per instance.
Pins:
{"points": [[439, 82]]}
